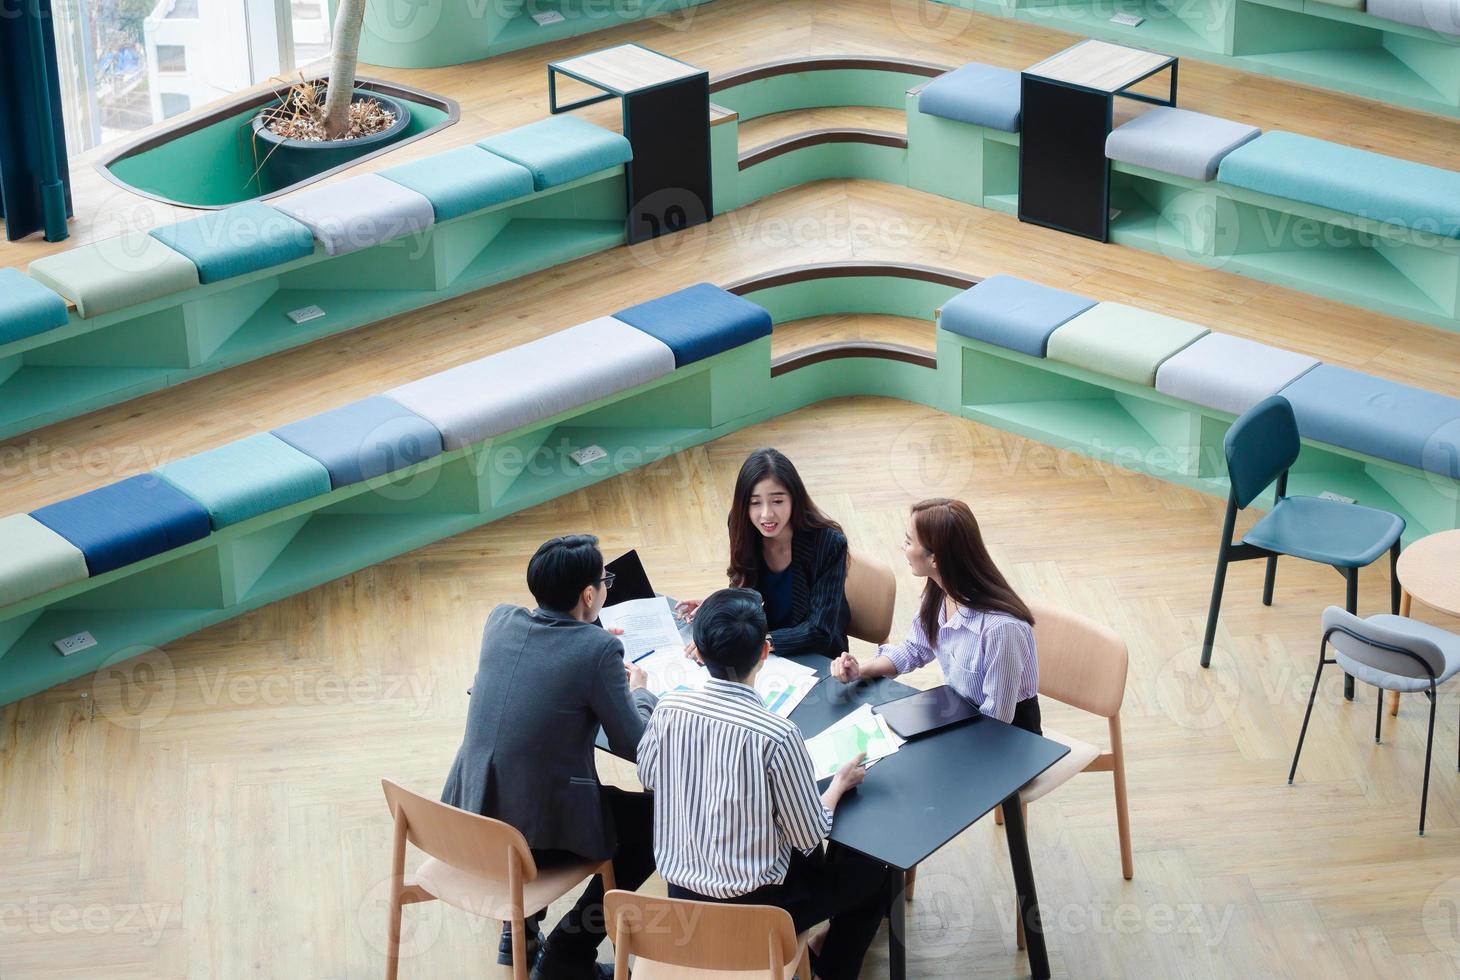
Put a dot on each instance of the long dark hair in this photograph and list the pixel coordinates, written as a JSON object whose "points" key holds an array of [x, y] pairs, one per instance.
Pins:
{"points": [[745, 540], [949, 530]]}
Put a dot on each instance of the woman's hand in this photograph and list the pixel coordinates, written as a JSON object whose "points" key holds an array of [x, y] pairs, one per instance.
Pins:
{"points": [[851, 774], [686, 610], [846, 669]]}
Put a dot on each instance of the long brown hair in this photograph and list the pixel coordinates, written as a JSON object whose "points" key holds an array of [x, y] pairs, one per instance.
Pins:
{"points": [[745, 540], [949, 530]]}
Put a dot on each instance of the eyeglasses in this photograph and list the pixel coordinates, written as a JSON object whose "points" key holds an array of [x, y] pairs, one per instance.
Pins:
{"points": [[607, 579]]}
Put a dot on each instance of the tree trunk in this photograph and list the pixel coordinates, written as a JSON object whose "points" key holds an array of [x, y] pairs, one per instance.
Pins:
{"points": [[344, 55]]}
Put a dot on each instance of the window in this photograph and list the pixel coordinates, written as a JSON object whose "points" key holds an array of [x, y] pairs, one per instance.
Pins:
{"points": [[175, 103], [172, 58]]}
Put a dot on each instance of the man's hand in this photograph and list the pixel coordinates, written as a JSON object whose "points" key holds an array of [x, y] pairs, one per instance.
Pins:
{"points": [[638, 677], [846, 669], [686, 610], [615, 630], [851, 774]]}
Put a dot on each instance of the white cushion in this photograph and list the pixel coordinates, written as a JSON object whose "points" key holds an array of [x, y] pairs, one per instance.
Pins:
{"points": [[537, 380], [1229, 373], [1178, 141], [1437, 15], [359, 212], [1081, 754], [35, 559]]}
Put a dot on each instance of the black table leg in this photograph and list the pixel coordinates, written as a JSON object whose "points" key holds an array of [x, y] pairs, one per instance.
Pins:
{"points": [[897, 925], [1064, 176], [1024, 887], [669, 182]]}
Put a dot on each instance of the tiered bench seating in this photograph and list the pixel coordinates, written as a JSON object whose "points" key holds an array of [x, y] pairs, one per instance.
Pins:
{"points": [[204, 538]]}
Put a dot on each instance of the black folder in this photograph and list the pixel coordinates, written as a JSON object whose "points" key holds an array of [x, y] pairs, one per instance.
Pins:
{"points": [[926, 711], [630, 580]]}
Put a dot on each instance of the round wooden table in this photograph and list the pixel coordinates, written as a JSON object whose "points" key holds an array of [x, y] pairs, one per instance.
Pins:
{"points": [[1429, 570]]}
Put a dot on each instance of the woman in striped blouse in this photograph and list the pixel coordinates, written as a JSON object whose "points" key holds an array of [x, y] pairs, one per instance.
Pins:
{"points": [[971, 621], [786, 549]]}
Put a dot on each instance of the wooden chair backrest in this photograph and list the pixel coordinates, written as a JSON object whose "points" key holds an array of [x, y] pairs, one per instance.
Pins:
{"points": [[1081, 662], [462, 839], [871, 595], [701, 935]]}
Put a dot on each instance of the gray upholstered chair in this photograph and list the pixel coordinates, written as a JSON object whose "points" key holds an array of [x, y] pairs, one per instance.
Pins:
{"points": [[1393, 653]]}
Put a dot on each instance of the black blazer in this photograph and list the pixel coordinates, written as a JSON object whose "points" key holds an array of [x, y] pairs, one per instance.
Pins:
{"points": [[818, 596], [544, 685]]}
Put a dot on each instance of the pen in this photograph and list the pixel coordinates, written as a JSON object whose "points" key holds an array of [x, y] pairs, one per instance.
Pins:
{"points": [[641, 656]]}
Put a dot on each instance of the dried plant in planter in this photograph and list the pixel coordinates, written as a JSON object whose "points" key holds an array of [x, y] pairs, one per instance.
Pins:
{"points": [[300, 115]]}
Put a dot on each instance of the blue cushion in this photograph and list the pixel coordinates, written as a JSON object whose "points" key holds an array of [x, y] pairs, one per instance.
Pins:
{"points": [[26, 307], [1345, 178], [698, 322], [1377, 417], [246, 478], [363, 439], [976, 93], [560, 149], [126, 522], [1012, 313], [462, 180], [238, 240]]}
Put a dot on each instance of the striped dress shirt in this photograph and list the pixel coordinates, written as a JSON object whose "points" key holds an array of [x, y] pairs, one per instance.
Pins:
{"points": [[988, 657], [734, 791]]}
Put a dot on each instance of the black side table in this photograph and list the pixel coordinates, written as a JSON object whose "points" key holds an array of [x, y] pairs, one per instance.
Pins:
{"points": [[666, 113], [1068, 105]]}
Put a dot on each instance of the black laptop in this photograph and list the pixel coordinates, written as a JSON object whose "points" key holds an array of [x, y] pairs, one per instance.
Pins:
{"points": [[926, 711]]}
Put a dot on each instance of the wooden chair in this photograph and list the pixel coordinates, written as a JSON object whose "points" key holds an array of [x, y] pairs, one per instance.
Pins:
{"points": [[477, 864], [675, 939], [1082, 664], [871, 594]]}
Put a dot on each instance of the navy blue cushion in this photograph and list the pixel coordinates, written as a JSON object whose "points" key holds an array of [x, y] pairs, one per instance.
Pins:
{"points": [[976, 93], [126, 522], [363, 439], [1378, 417], [1012, 312], [699, 322]]}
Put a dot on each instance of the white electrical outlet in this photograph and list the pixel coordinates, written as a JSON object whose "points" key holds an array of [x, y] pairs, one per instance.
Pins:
{"points": [[1330, 495], [1128, 20], [305, 313], [588, 454], [548, 17], [68, 645]]}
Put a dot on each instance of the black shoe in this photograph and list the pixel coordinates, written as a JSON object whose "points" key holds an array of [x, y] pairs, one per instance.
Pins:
{"points": [[547, 969], [534, 943]]}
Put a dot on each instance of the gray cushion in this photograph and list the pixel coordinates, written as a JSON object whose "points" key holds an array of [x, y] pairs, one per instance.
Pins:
{"points": [[976, 93], [1437, 15], [1230, 374], [359, 212], [536, 380], [1385, 668], [1177, 141]]}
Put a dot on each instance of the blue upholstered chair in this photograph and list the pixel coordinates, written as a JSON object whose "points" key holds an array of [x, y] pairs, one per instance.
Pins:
{"points": [[1260, 447], [1394, 653]]}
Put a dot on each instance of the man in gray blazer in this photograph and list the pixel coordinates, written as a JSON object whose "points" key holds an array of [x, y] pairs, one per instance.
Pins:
{"points": [[547, 679]]}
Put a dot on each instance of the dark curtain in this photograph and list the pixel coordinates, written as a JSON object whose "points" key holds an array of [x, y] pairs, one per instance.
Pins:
{"points": [[35, 182]]}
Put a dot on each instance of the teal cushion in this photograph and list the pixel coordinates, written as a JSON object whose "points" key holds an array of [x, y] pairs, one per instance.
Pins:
{"points": [[246, 478], [462, 180], [238, 240], [1348, 179], [560, 149], [26, 307]]}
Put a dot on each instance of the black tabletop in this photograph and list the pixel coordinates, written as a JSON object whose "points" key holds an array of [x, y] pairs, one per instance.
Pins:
{"points": [[930, 790]]}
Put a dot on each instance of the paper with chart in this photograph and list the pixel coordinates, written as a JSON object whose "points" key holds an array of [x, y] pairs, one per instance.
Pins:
{"points": [[860, 731], [781, 684], [648, 624]]}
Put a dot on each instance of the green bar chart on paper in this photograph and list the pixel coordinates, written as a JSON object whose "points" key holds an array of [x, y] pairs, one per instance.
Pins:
{"points": [[860, 731]]}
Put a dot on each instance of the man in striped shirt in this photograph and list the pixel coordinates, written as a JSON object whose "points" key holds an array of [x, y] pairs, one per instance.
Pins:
{"points": [[737, 815]]}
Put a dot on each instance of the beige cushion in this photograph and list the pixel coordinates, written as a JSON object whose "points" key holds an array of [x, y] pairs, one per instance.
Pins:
{"points": [[35, 559], [1122, 341], [1081, 754], [115, 273]]}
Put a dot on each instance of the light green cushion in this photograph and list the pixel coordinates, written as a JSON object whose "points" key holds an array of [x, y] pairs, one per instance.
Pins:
{"points": [[35, 559], [116, 273], [246, 478], [1122, 341]]}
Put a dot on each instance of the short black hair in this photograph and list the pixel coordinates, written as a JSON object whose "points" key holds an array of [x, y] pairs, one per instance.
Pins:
{"points": [[562, 568], [730, 627]]}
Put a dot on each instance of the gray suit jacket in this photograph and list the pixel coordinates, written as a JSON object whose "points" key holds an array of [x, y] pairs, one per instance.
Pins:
{"points": [[544, 685]]}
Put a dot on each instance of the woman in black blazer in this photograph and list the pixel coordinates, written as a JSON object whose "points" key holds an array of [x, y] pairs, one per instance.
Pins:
{"points": [[785, 548]]}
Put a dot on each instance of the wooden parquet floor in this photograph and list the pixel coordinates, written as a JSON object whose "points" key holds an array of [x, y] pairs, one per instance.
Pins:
{"points": [[214, 809]]}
